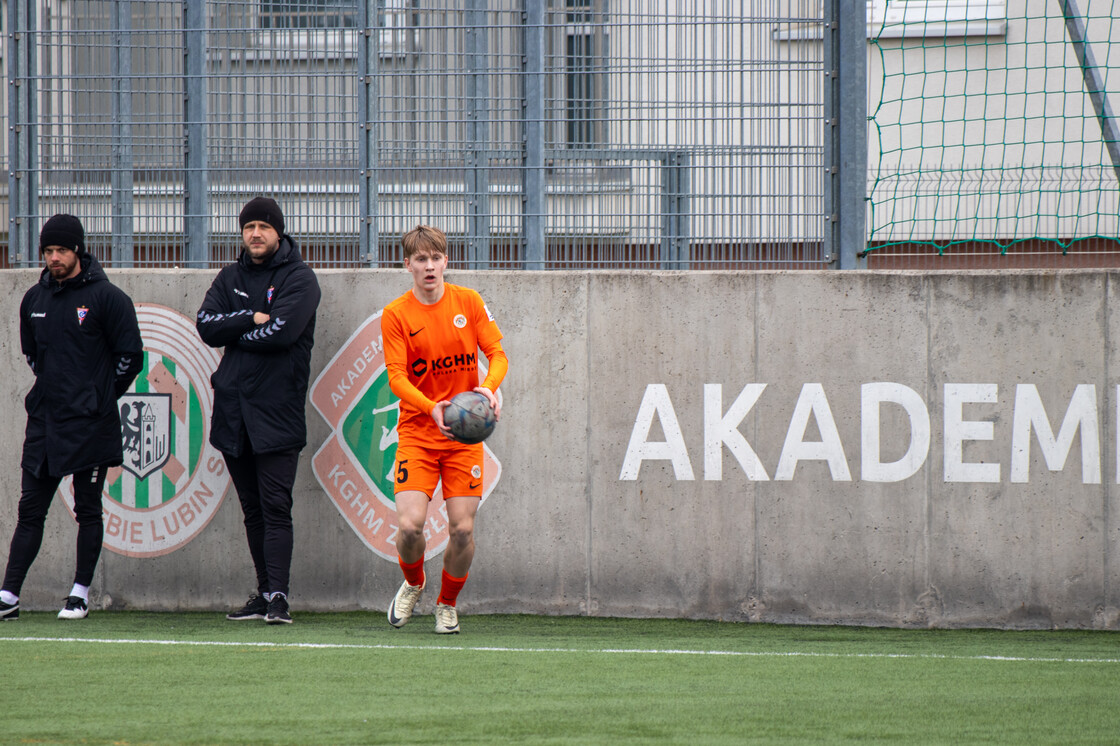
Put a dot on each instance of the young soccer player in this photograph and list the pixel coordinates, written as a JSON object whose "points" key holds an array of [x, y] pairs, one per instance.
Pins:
{"points": [[432, 335]]}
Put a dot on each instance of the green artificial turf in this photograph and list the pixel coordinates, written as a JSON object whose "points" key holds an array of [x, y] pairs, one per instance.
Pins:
{"points": [[349, 678]]}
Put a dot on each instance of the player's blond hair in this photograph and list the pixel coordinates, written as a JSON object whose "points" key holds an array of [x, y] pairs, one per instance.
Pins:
{"points": [[424, 237]]}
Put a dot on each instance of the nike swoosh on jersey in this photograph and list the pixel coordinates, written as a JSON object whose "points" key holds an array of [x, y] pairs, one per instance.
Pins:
{"points": [[413, 334]]}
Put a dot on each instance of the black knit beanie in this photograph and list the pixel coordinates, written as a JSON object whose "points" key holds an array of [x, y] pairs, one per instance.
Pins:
{"points": [[63, 230], [264, 209]]}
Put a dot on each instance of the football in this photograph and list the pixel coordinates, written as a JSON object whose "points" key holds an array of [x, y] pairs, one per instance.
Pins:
{"points": [[469, 417]]}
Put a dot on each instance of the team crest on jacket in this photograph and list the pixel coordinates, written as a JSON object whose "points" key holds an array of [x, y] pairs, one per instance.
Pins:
{"points": [[83, 311], [355, 465], [271, 290], [172, 480]]}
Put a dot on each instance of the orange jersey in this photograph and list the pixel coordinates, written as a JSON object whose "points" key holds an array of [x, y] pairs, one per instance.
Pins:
{"points": [[431, 354]]}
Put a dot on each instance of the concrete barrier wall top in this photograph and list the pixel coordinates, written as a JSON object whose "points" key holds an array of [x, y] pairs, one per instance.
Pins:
{"points": [[862, 447]]}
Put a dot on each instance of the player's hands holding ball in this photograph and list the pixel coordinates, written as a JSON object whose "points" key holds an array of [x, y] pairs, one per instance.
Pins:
{"points": [[495, 405], [468, 417]]}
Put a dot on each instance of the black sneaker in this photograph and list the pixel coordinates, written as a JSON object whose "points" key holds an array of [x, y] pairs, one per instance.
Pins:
{"points": [[75, 608], [9, 611], [278, 610], [255, 608]]}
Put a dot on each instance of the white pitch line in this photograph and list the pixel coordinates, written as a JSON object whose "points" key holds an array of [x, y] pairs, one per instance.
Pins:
{"points": [[599, 651]]}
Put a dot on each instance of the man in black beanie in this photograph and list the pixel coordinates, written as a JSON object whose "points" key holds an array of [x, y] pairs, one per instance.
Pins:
{"points": [[262, 310], [81, 338]]}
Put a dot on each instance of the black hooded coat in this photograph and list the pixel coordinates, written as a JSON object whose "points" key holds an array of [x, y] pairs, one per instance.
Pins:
{"points": [[260, 387], [81, 339]]}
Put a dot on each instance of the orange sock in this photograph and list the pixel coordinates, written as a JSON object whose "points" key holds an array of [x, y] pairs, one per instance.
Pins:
{"points": [[414, 572], [449, 588]]}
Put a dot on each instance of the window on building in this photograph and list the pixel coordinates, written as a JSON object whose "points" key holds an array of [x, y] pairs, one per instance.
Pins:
{"points": [[585, 78], [311, 22], [308, 14], [915, 18], [901, 18]]}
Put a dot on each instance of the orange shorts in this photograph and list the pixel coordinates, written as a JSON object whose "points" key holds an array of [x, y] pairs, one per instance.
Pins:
{"points": [[420, 469]]}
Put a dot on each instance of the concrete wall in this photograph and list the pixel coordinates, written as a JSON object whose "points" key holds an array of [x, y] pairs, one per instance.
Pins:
{"points": [[699, 445]]}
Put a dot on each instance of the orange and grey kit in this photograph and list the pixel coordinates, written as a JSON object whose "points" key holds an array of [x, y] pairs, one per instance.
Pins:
{"points": [[431, 354]]}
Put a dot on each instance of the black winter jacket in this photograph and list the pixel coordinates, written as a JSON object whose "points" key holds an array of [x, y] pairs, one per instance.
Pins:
{"points": [[260, 387], [83, 343]]}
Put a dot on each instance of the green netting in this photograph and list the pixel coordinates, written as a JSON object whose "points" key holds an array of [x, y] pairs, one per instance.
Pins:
{"points": [[992, 137]]}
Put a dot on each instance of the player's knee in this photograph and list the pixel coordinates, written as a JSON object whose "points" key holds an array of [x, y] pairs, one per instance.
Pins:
{"points": [[461, 533], [88, 517], [410, 533]]}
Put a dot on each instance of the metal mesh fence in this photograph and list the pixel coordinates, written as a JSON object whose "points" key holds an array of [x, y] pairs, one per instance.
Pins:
{"points": [[539, 134]]}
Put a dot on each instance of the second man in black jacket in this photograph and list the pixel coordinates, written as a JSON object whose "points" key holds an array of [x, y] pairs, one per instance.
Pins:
{"points": [[262, 310]]}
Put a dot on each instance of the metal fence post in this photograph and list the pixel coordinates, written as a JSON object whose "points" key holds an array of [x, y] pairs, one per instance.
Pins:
{"points": [[478, 135], [845, 127], [674, 210], [23, 181], [369, 154], [1094, 81], [122, 250], [532, 135], [196, 213]]}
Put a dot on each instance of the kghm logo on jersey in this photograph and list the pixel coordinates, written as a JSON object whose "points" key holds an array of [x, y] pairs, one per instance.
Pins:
{"points": [[172, 480], [355, 465], [443, 364]]}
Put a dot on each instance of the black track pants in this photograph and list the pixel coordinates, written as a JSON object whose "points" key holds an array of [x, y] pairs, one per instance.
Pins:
{"points": [[264, 487], [34, 502]]}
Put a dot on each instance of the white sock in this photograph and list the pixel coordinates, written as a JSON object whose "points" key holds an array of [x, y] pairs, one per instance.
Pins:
{"points": [[8, 597], [81, 591]]}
